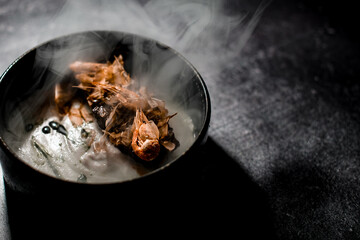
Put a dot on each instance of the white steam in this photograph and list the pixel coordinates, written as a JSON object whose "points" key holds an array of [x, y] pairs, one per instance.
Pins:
{"points": [[201, 30], [209, 33]]}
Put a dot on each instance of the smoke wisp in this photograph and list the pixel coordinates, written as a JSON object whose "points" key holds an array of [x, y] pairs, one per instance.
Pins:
{"points": [[203, 31], [210, 34]]}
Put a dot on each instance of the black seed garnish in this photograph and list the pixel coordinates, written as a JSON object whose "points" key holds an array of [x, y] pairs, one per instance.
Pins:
{"points": [[29, 127], [84, 133], [46, 130], [61, 129], [54, 125]]}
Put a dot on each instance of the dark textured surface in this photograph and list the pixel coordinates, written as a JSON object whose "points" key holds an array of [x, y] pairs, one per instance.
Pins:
{"points": [[283, 159]]}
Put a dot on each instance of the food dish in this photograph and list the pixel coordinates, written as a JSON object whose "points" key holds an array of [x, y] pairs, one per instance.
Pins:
{"points": [[30, 81]]}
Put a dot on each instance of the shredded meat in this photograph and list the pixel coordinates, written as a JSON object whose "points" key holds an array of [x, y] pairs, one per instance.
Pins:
{"points": [[131, 119]]}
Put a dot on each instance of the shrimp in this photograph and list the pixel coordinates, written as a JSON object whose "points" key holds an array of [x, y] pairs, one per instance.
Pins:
{"points": [[131, 119], [145, 140], [63, 95], [79, 113], [113, 73], [86, 67]]}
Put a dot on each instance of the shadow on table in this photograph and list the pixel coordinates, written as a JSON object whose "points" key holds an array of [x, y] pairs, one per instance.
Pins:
{"points": [[207, 194]]}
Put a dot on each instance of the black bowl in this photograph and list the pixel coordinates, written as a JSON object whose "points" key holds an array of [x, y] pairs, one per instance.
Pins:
{"points": [[31, 78]]}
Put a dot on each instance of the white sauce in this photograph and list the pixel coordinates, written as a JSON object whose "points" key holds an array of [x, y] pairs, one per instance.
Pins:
{"points": [[74, 157]]}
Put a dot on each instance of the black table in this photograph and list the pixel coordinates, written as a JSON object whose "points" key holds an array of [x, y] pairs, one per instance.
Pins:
{"points": [[282, 160]]}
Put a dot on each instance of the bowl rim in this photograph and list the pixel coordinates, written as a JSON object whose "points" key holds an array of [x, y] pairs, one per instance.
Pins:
{"points": [[197, 141]]}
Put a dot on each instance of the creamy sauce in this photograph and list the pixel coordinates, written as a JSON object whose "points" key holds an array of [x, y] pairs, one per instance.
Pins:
{"points": [[74, 156]]}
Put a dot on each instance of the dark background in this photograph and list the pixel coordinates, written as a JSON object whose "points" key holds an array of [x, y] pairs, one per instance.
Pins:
{"points": [[282, 160]]}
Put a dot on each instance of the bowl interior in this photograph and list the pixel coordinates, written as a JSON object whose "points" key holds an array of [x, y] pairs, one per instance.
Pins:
{"points": [[28, 84]]}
